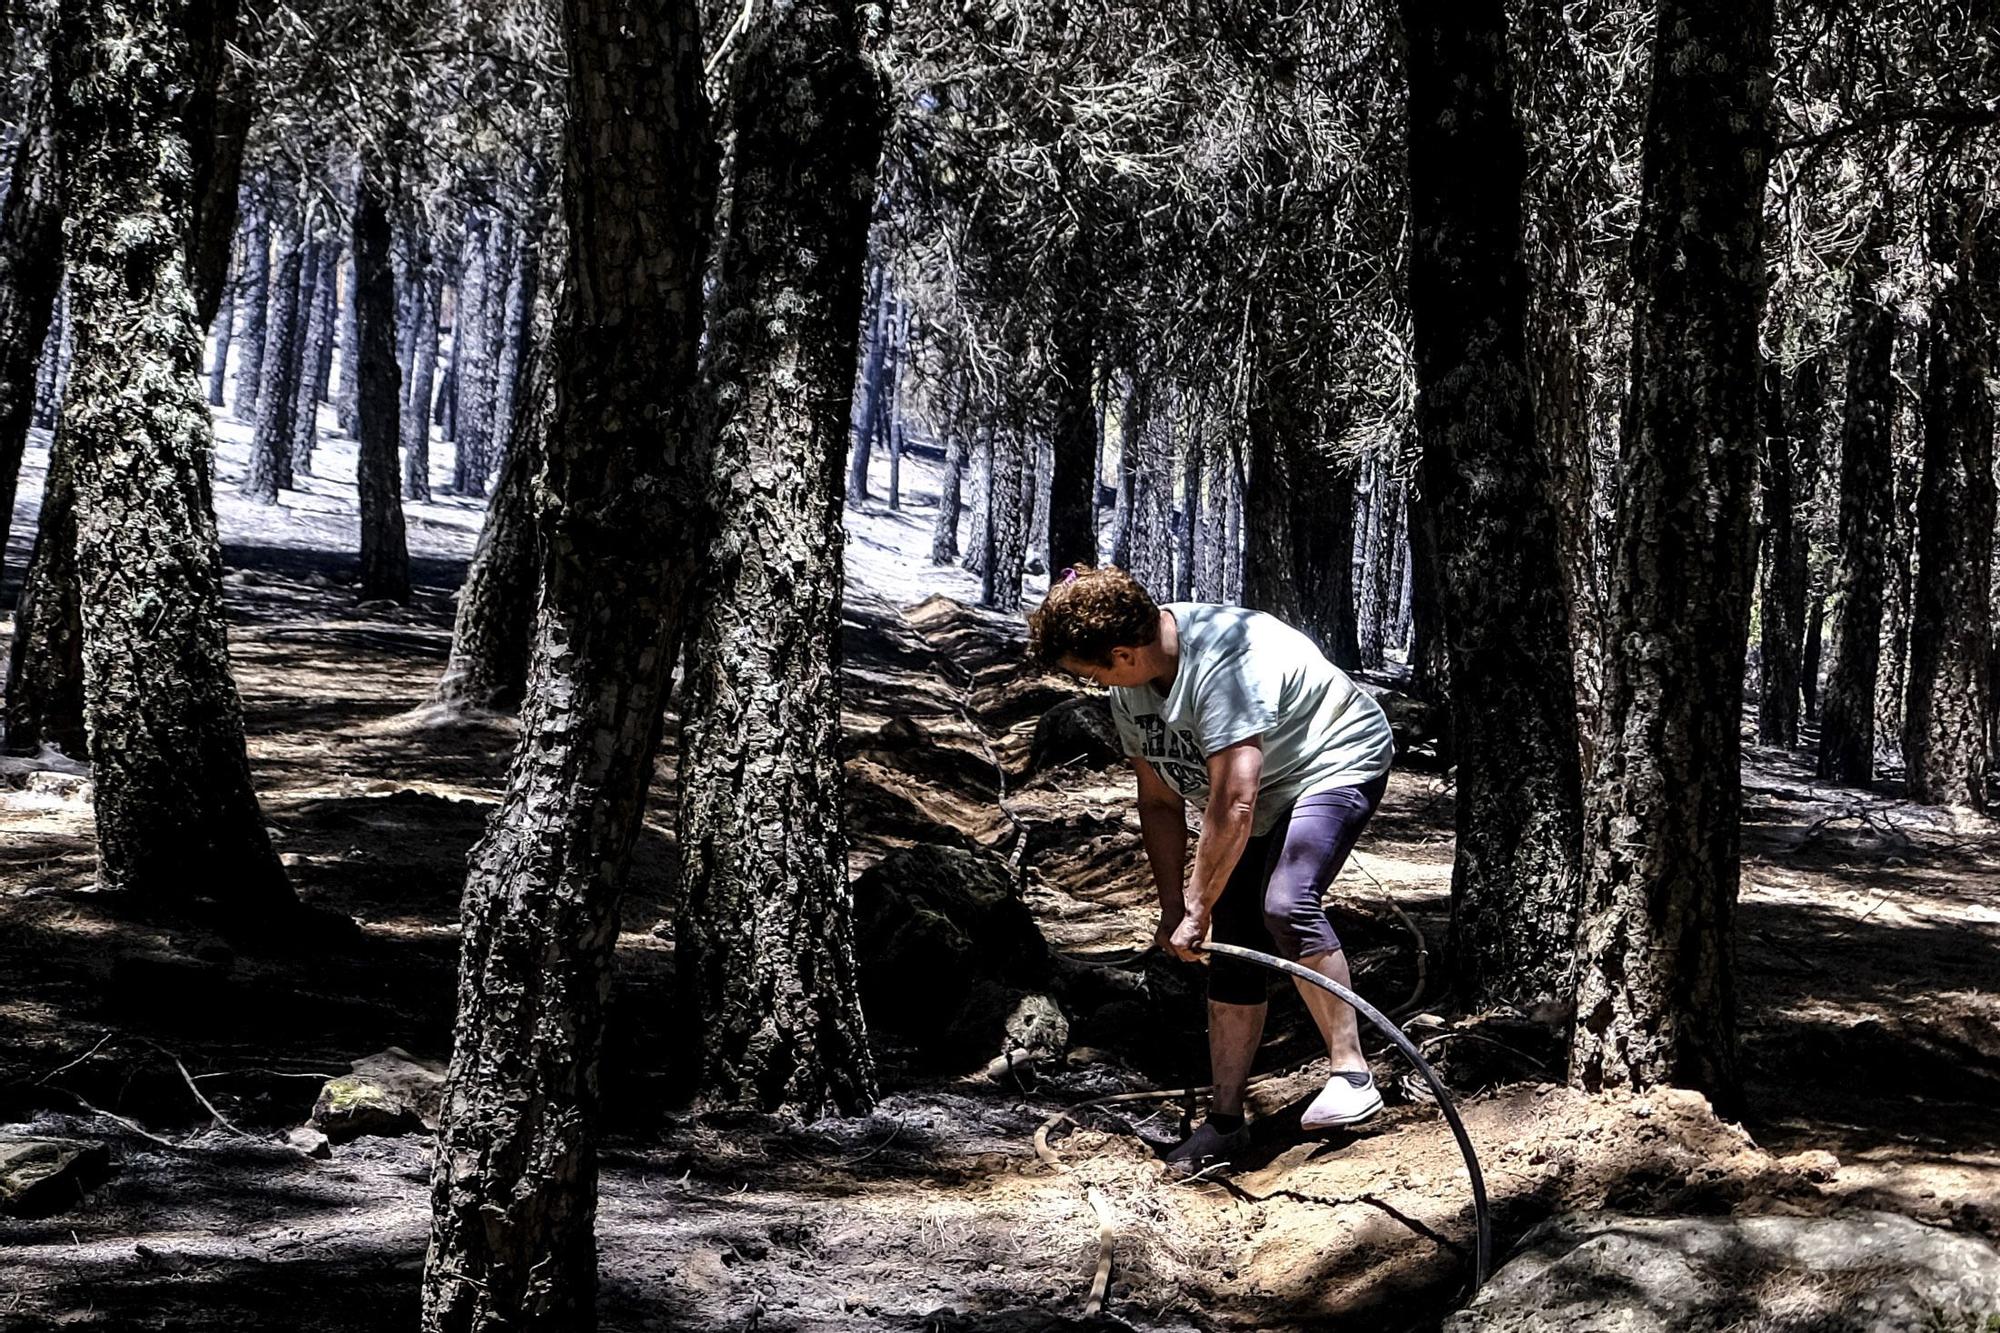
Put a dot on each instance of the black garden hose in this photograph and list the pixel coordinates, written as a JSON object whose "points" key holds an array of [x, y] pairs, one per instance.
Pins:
{"points": [[1483, 1243]]}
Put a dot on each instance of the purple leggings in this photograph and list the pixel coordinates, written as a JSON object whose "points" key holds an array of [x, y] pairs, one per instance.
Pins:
{"points": [[1272, 900]]}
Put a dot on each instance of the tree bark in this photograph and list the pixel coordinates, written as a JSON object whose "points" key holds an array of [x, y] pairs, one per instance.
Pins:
{"points": [[471, 366], [316, 351], [385, 554], [1867, 483], [176, 815], [270, 467], [1073, 471], [980, 464], [45, 660], [53, 369], [1656, 997], [1780, 636], [346, 398], [1951, 623], [764, 937], [488, 666], [1515, 877], [218, 370], [944, 532], [514, 1186], [1006, 536], [253, 293], [423, 382], [216, 128], [30, 274], [877, 348]]}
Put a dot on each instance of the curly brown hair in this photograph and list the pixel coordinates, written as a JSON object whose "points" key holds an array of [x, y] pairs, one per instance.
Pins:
{"points": [[1088, 612]]}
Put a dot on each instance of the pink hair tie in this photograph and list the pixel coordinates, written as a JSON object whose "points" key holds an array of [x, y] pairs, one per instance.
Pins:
{"points": [[1069, 574]]}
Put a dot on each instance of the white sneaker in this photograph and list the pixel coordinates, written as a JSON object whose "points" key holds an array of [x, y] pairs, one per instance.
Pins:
{"points": [[1348, 1098]]}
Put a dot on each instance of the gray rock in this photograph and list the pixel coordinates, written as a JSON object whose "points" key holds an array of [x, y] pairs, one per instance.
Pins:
{"points": [[41, 1176], [1857, 1272], [387, 1094], [1035, 1032], [310, 1142]]}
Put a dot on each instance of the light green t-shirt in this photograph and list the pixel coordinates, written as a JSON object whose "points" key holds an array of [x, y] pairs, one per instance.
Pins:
{"points": [[1242, 674]]}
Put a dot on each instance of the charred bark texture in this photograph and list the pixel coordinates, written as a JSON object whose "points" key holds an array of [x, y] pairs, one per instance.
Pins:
{"points": [[488, 666], [30, 275], [1516, 876], [45, 661], [1656, 997], [253, 294], [423, 384], [176, 814], [270, 467], [1951, 622], [765, 934], [1847, 710], [385, 554], [1073, 469], [514, 1186]]}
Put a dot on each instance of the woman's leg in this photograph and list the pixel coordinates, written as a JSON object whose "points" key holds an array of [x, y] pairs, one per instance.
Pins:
{"points": [[1321, 831]]}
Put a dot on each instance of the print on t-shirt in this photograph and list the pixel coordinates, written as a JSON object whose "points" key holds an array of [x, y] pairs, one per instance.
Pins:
{"points": [[1174, 755]]}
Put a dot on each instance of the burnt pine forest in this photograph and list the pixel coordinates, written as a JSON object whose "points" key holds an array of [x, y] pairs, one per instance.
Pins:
{"points": [[525, 802]]}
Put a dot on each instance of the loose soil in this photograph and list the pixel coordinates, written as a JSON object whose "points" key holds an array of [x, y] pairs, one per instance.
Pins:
{"points": [[1869, 956]]}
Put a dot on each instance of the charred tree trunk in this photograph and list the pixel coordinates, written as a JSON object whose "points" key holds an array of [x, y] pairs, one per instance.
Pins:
{"points": [[517, 325], [218, 370], [488, 667], [176, 814], [978, 530], [1187, 529], [876, 349], [1780, 636], [45, 661], [1270, 428], [423, 380], [1151, 526], [346, 397], [253, 294], [1212, 552], [1951, 622], [270, 467], [216, 124], [1073, 469], [385, 554], [944, 533], [1515, 878], [1656, 999], [1132, 425], [1322, 528], [471, 365], [54, 366], [1006, 535], [316, 350], [30, 274], [1867, 485], [765, 935], [1430, 661], [514, 1186]]}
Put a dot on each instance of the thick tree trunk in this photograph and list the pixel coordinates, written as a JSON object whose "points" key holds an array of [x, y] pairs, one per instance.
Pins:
{"points": [[1322, 529], [316, 351], [514, 1186], [45, 661], [1133, 412], [1430, 661], [1271, 426], [1212, 552], [1847, 713], [764, 937], [1656, 998], [253, 294], [1073, 470], [53, 369], [517, 325], [1006, 535], [1780, 635], [876, 348], [1151, 530], [218, 370], [1515, 878], [1951, 622], [471, 367], [1187, 528], [346, 398], [216, 126], [488, 666], [176, 815], [30, 274], [270, 467], [944, 532], [980, 465], [423, 382], [385, 555]]}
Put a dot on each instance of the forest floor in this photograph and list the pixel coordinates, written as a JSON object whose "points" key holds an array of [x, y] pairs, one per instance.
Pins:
{"points": [[1869, 964]]}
